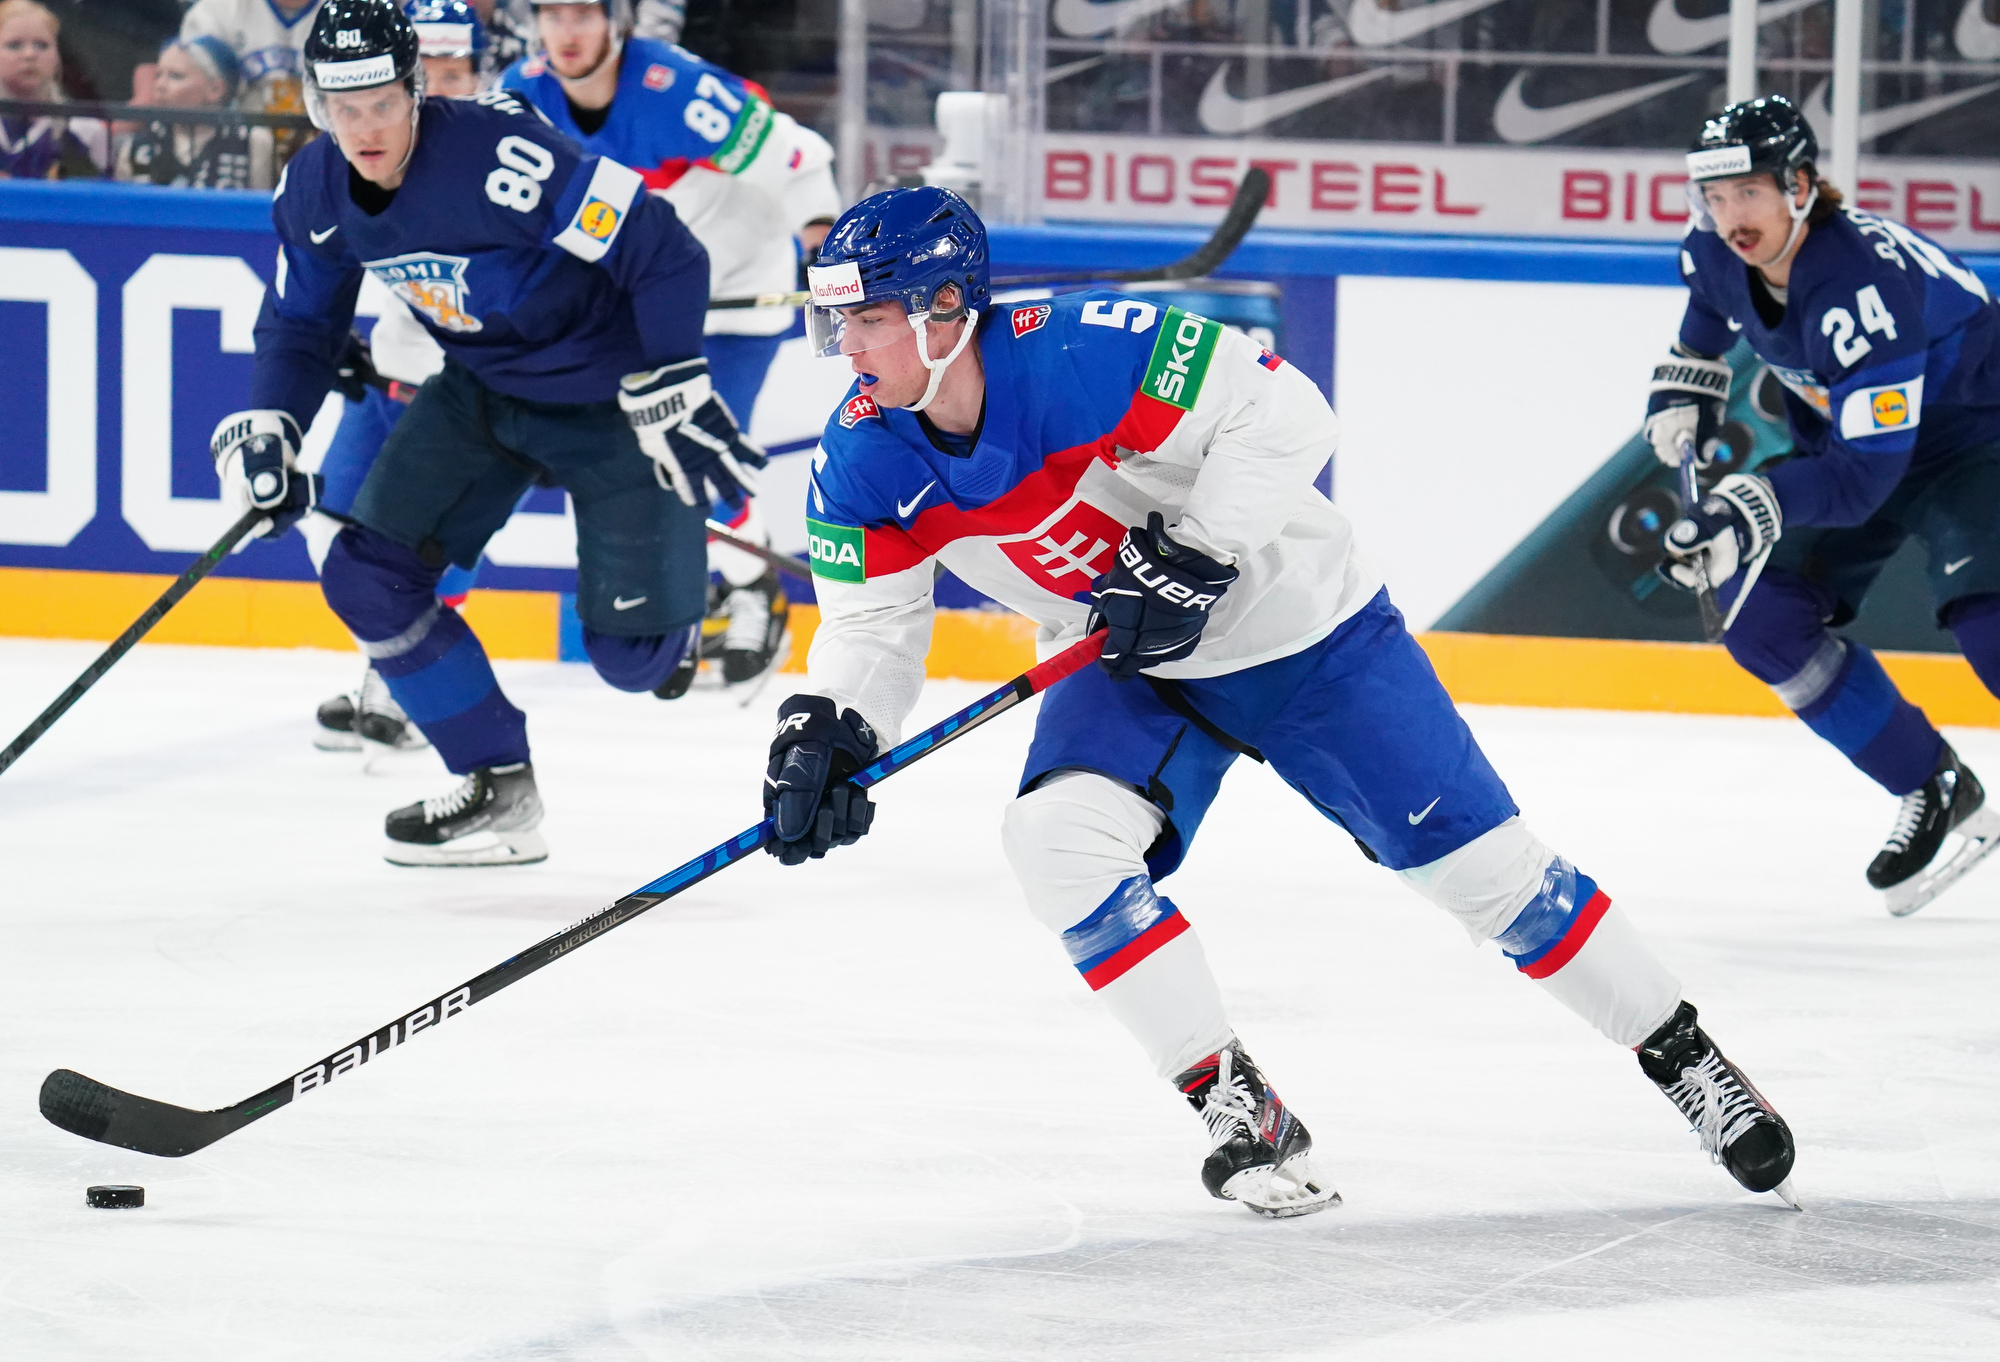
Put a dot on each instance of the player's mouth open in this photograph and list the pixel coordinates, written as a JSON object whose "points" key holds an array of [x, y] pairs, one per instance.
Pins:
{"points": [[1743, 242]]}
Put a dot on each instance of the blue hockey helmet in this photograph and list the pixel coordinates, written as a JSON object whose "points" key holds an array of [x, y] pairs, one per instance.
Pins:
{"points": [[448, 28], [901, 245]]}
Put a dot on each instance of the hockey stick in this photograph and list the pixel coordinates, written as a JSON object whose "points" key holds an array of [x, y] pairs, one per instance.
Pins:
{"points": [[784, 563], [83, 1106], [1204, 261], [123, 643], [1712, 625]]}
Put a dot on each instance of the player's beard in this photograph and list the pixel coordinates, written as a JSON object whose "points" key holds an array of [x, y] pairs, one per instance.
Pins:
{"points": [[605, 51]]}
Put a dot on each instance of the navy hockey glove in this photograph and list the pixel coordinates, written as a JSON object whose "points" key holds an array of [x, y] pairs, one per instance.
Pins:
{"points": [[806, 788], [256, 459], [1734, 523], [690, 434], [1689, 397], [354, 372], [1154, 602]]}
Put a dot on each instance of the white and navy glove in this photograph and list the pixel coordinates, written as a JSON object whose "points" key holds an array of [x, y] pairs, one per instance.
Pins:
{"points": [[690, 434], [807, 790], [257, 460], [1154, 602], [1688, 398], [1732, 525]]}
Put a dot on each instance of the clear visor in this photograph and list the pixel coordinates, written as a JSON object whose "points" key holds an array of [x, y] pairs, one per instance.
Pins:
{"points": [[833, 332]]}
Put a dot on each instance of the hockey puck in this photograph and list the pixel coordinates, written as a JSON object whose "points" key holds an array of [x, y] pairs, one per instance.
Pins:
{"points": [[114, 1196]]}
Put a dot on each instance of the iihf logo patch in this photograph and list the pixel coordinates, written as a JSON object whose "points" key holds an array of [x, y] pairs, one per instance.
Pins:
{"points": [[658, 77], [433, 285], [859, 408], [1028, 319]]}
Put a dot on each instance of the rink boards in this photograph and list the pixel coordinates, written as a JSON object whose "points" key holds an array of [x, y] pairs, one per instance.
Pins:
{"points": [[1479, 382]]}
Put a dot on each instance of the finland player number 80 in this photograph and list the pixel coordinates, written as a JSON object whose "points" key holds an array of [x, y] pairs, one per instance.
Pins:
{"points": [[517, 184]]}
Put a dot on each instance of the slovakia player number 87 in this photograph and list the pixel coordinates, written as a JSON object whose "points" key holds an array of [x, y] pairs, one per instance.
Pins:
{"points": [[518, 183]]}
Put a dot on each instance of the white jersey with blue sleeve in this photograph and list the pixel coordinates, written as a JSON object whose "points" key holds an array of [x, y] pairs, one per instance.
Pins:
{"points": [[546, 271]]}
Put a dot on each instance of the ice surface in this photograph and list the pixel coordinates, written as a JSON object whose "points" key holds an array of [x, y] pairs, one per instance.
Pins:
{"points": [[865, 1110]]}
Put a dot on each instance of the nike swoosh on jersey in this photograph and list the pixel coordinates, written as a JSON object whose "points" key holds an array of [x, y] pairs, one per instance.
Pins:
{"points": [[1882, 122], [1519, 124], [1082, 19], [1976, 37], [1672, 32], [903, 511], [1416, 818], [318, 237], [1371, 24], [620, 603], [1224, 114], [1950, 568]]}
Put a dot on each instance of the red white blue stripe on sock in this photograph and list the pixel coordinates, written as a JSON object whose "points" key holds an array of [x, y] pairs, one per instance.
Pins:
{"points": [[1547, 934], [1128, 926]]}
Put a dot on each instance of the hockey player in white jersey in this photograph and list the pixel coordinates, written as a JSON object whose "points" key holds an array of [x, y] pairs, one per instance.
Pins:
{"points": [[1098, 463]]}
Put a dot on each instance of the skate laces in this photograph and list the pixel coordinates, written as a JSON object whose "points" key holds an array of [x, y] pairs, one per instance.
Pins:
{"points": [[749, 620], [443, 806], [1909, 818], [1230, 1106], [375, 697], [1715, 1104]]}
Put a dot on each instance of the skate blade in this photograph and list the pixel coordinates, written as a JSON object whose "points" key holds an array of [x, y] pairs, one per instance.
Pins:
{"points": [[1979, 836], [1291, 1189], [524, 847], [375, 753], [754, 687], [1783, 1191], [333, 740]]}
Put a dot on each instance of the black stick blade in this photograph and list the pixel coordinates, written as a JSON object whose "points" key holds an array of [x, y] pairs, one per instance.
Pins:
{"points": [[83, 1106]]}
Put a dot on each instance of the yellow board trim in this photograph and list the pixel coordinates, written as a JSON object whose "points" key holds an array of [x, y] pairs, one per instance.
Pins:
{"points": [[978, 645]]}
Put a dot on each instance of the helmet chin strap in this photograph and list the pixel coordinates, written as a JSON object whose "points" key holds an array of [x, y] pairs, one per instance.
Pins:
{"points": [[1799, 213], [919, 324]]}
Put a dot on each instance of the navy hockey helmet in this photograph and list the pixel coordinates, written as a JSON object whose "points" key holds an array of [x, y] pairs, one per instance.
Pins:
{"points": [[902, 245], [1758, 136], [448, 28], [357, 45]]}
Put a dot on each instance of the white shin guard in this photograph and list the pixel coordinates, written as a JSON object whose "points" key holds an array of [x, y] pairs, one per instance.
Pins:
{"points": [[1557, 927], [1078, 843]]}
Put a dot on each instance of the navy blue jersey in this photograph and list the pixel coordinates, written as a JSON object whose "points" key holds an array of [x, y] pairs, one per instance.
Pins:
{"points": [[545, 270], [1887, 345], [672, 110]]}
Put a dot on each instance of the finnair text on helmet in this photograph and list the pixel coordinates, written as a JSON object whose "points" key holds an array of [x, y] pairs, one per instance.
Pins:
{"points": [[836, 285], [1703, 165], [355, 75]]}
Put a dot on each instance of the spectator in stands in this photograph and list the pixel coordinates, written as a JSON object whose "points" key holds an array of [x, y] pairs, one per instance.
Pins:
{"points": [[198, 73], [41, 146], [267, 37]]}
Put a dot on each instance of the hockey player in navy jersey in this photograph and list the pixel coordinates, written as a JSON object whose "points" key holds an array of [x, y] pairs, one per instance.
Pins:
{"points": [[568, 303], [1888, 348], [749, 182], [1096, 462]]}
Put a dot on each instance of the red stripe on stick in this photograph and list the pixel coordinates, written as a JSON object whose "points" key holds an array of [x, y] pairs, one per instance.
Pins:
{"points": [[1135, 950], [1068, 662], [1579, 932]]}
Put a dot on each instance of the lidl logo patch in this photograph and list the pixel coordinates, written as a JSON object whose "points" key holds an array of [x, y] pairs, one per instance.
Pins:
{"points": [[598, 219], [1890, 408], [859, 408], [1028, 319], [839, 553], [1893, 408]]}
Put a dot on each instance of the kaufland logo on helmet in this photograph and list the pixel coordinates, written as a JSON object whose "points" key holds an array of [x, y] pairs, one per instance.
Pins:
{"points": [[354, 75], [835, 285], [1706, 165], [859, 408]]}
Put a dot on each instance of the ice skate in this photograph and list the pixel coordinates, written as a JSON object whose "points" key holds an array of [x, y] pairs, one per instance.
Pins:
{"points": [[335, 732], [757, 640], [1739, 1129], [1261, 1154], [1951, 801], [490, 819], [380, 726]]}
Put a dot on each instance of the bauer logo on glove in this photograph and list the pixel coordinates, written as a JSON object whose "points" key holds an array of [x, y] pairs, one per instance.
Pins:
{"points": [[1155, 601]]}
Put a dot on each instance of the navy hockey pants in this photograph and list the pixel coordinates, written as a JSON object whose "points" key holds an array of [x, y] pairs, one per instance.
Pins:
{"points": [[1816, 581]]}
